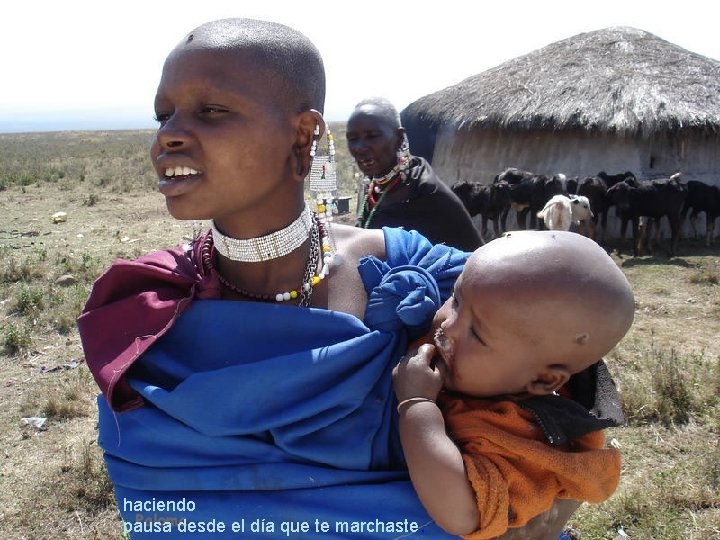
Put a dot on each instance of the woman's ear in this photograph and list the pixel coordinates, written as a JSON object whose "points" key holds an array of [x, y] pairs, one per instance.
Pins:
{"points": [[308, 122], [549, 380]]}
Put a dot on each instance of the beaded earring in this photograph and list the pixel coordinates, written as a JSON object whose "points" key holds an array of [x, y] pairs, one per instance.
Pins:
{"points": [[323, 176], [403, 153], [323, 188]]}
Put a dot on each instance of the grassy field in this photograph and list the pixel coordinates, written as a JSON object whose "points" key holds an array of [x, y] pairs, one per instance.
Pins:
{"points": [[52, 480]]}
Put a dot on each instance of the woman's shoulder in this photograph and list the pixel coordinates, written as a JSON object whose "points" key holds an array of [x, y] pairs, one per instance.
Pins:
{"points": [[173, 266], [428, 183], [353, 243], [396, 245], [178, 258], [387, 243]]}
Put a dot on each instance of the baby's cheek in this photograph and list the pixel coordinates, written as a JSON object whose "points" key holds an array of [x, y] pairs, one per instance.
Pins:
{"points": [[439, 317]]}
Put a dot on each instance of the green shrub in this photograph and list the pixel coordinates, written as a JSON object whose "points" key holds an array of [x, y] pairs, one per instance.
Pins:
{"points": [[91, 199], [12, 270], [67, 306], [30, 300], [674, 400], [15, 338], [707, 274], [678, 389]]}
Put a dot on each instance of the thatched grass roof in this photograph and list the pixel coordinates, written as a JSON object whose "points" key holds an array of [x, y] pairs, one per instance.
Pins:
{"points": [[620, 79]]}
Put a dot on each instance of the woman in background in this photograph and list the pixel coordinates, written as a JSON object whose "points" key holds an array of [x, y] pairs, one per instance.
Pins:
{"points": [[403, 191]]}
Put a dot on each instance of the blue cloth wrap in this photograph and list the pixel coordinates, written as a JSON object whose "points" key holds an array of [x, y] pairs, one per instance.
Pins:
{"points": [[260, 411]]}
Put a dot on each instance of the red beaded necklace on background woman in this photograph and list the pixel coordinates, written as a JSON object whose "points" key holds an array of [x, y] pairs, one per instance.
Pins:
{"points": [[381, 186]]}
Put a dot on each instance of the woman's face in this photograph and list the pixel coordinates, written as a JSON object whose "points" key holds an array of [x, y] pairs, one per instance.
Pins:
{"points": [[373, 141], [225, 142]]}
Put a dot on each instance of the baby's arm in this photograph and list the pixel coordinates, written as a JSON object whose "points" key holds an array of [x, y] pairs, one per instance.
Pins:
{"points": [[435, 463]]}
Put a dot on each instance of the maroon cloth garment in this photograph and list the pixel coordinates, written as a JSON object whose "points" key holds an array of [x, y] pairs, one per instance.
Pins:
{"points": [[138, 298]]}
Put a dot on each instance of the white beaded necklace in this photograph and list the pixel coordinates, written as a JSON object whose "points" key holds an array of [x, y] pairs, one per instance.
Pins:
{"points": [[268, 247], [319, 245]]}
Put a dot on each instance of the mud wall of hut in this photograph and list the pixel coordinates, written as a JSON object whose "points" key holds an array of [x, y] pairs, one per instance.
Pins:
{"points": [[481, 154], [697, 155]]}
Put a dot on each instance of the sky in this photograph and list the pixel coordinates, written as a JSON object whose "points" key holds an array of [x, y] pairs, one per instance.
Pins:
{"points": [[78, 64]]}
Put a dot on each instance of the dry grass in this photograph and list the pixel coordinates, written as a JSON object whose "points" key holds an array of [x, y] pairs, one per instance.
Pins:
{"points": [[668, 371], [52, 481]]}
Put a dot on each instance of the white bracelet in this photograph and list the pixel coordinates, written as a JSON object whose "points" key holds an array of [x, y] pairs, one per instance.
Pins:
{"points": [[413, 400]]}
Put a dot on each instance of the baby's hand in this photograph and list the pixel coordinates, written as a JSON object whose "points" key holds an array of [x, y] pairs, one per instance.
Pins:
{"points": [[415, 376]]}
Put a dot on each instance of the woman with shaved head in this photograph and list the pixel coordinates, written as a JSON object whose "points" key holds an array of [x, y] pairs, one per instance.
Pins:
{"points": [[246, 377]]}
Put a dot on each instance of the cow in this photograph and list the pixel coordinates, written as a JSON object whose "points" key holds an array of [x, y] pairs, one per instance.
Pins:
{"points": [[654, 199], [702, 197], [490, 201], [595, 189], [570, 185], [612, 179], [529, 192]]}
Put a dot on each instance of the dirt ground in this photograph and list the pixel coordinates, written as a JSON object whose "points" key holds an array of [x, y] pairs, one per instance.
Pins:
{"points": [[42, 470], [45, 473]]}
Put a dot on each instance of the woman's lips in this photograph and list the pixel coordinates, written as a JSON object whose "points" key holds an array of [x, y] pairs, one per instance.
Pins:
{"points": [[173, 186], [367, 166]]}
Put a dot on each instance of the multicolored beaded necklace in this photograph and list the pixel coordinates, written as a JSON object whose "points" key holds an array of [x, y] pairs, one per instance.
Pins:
{"points": [[319, 246], [383, 186]]}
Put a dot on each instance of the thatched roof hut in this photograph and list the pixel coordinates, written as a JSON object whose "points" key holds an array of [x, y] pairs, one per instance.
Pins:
{"points": [[612, 100]]}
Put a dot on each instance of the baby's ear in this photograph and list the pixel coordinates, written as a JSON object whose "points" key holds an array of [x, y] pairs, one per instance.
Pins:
{"points": [[549, 380], [310, 125]]}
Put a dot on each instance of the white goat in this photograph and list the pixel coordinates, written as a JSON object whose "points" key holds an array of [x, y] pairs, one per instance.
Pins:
{"points": [[557, 213], [581, 214], [581, 210]]}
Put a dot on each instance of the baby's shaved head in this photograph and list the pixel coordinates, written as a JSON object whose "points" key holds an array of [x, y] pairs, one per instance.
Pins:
{"points": [[288, 56], [566, 287]]}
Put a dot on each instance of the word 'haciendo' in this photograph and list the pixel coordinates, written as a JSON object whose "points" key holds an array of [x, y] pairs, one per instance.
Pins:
{"points": [[158, 505]]}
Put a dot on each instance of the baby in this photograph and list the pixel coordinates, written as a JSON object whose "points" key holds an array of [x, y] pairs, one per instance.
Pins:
{"points": [[505, 413]]}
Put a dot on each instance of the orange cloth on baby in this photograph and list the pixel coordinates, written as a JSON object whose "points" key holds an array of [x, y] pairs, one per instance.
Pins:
{"points": [[515, 474]]}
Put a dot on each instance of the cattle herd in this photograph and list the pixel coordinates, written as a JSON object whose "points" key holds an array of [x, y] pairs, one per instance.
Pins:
{"points": [[559, 202]]}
